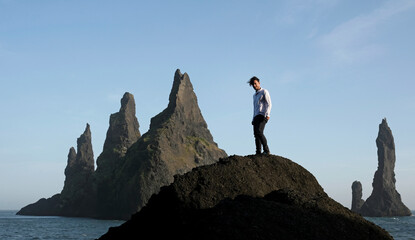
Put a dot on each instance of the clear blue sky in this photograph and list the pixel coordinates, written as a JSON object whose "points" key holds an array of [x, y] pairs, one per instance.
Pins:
{"points": [[334, 69]]}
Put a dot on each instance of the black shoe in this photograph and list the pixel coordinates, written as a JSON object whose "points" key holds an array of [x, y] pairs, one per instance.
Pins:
{"points": [[266, 153]]}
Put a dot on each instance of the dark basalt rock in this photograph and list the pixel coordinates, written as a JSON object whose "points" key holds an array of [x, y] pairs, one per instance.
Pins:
{"points": [[178, 140], [75, 198], [385, 200], [132, 167], [357, 201], [252, 197], [123, 131]]}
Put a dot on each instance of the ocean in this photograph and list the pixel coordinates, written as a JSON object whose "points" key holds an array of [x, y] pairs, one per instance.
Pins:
{"points": [[15, 227], [401, 228]]}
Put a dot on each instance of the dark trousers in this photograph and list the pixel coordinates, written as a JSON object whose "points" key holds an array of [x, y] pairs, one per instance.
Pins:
{"points": [[260, 140]]}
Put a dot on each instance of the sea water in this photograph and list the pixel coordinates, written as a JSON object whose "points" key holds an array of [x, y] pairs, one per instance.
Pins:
{"points": [[401, 228], [17, 227]]}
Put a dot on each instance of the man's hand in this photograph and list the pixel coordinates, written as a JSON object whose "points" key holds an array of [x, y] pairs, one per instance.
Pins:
{"points": [[266, 119]]}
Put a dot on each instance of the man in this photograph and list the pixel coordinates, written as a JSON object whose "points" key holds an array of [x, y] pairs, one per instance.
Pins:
{"points": [[262, 110]]}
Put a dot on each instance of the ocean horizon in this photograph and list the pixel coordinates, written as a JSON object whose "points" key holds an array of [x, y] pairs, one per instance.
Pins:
{"points": [[17, 227]]}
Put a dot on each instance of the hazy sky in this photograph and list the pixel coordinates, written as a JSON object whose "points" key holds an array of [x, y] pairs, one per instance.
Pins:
{"points": [[334, 69]]}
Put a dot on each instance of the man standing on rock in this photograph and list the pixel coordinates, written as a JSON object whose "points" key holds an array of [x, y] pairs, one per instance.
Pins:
{"points": [[262, 110]]}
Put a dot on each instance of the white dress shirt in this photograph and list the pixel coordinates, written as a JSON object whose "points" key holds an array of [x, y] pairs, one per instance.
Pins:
{"points": [[262, 103]]}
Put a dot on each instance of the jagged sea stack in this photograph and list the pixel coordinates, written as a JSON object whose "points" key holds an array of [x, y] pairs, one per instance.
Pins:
{"points": [[357, 201], [78, 186], [76, 198], [385, 200], [123, 131], [178, 140]]}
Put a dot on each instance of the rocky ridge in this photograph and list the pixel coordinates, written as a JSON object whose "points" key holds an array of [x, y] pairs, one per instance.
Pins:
{"points": [[178, 140], [251, 197], [132, 167]]}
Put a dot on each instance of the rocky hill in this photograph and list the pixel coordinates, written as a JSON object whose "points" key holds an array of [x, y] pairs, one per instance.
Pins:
{"points": [[132, 167], [252, 197]]}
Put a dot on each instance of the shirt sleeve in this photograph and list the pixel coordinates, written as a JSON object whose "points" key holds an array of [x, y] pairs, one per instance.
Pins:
{"points": [[269, 103]]}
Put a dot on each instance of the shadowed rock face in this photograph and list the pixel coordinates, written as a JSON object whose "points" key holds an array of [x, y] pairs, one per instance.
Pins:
{"points": [[252, 197], [357, 201], [123, 131], [76, 193], [177, 141], [385, 200], [131, 168], [75, 198], [80, 165]]}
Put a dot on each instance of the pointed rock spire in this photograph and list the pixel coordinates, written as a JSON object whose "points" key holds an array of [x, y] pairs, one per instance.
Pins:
{"points": [[178, 140], [124, 128], [84, 161], [385, 200], [76, 192], [122, 132]]}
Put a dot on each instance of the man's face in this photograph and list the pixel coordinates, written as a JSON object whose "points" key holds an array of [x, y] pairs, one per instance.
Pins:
{"points": [[256, 85]]}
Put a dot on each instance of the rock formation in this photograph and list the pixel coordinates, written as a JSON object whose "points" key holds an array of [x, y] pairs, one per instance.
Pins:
{"points": [[75, 198], [357, 201], [252, 197], [122, 132], [132, 167], [76, 194], [178, 140], [385, 200]]}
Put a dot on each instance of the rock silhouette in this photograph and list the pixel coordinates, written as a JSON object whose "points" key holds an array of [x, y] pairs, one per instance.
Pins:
{"points": [[123, 131], [132, 167], [178, 140], [75, 198], [385, 199], [357, 201], [251, 197]]}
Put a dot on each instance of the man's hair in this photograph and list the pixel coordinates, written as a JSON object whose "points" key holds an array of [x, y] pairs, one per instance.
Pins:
{"points": [[251, 81]]}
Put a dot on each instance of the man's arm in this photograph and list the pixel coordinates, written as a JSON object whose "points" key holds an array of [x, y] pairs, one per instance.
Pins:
{"points": [[269, 104]]}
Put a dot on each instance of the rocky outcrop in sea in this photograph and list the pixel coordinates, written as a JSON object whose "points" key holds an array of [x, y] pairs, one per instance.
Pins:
{"points": [[251, 197], [178, 141], [357, 201], [385, 201], [75, 198], [132, 167]]}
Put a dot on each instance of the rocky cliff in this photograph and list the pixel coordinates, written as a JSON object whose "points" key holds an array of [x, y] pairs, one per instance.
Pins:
{"points": [[132, 167], [178, 140], [123, 131], [385, 199], [252, 197]]}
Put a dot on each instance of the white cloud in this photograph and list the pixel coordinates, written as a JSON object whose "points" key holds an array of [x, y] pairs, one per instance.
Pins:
{"points": [[351, 40]]}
